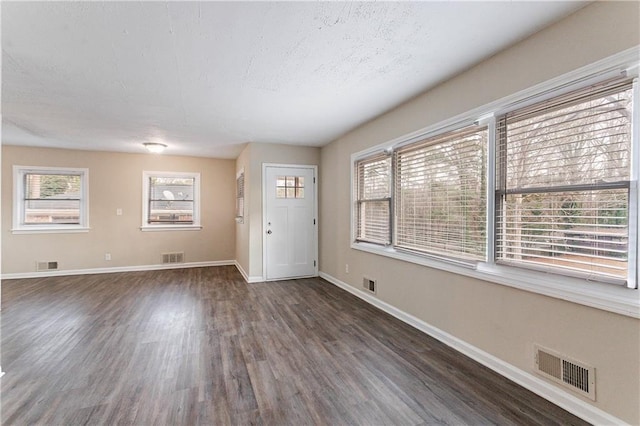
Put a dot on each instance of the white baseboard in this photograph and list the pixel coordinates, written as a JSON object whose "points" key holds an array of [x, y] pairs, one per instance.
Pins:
{"points": [[527, 380], [66, 272], [247, 278]]}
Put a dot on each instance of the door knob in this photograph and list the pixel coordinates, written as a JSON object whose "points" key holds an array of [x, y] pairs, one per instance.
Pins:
{"points": [[269, 232]]}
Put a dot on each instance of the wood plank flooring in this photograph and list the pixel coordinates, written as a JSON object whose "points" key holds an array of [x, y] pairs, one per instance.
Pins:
{"points": [[200, 346]]}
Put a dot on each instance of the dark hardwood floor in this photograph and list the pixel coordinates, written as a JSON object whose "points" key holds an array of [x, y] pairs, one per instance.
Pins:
{"points": [[200, 346]]}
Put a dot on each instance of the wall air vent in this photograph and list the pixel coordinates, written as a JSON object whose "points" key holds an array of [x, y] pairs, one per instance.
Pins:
{"points": [[571, 374], [46, 266], [369, 284], [177, 257]]}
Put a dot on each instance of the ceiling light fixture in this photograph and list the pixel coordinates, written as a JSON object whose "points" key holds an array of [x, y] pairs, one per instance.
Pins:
{"points": [[155, 147]]}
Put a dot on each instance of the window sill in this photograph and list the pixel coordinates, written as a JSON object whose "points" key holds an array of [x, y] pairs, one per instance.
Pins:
{"points": [[155, 228], [49, 230], [607, 297]]}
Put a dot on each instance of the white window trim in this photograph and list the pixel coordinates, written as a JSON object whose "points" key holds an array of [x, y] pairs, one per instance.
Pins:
{"points": [[18, 198], [196, 226], [608, 297]]}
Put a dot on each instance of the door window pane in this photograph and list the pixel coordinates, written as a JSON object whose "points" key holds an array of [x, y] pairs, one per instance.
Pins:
{"points": [[290, 187]]}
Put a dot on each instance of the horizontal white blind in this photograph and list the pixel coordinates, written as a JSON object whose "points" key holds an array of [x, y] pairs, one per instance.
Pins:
{"points": [[373, 215], [563, 183], [240, 196], [441, 194], [171, 200], [51, 199]]}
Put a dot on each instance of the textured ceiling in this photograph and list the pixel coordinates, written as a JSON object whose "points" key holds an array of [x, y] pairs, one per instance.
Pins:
{"points": [[207, 77]]}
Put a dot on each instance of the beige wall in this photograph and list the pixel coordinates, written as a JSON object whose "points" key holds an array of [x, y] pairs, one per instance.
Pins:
{"points": [[249, 244], [502, 321], [115, 181]]}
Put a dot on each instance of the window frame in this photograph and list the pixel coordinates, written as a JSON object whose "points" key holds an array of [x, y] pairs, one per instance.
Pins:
{"points": [[19, 227], [146, 226], [240, 198], [504, 190], [360, 201], [455, 135], [624, 300]]}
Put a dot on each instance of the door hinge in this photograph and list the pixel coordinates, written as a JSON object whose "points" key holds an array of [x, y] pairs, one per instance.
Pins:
{"points": [[314, 221], [314, 263], [314, 180]]}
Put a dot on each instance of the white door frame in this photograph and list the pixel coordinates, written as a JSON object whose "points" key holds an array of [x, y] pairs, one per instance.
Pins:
{"points": [[264, 213]]}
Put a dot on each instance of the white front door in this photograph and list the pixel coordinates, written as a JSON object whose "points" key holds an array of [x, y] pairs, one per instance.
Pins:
{"points": [[289, 222]]}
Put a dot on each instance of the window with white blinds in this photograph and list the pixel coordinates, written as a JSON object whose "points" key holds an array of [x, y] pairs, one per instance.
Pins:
{"points": [[50, 199], [171, 200], [373, 200], [240, 197], [540, 192], [440, 194], [563, 182]]}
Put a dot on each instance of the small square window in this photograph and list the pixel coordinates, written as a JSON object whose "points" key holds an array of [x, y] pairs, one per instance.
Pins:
{"points": [[290, 187], [171, 200], [50, 199]]}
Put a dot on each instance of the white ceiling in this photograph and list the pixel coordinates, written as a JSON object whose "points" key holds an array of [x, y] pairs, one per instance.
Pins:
{"points": [[207, 77]]}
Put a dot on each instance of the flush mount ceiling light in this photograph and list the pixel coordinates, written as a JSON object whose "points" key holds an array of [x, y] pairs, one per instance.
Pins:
{"points": [[155, 147]]}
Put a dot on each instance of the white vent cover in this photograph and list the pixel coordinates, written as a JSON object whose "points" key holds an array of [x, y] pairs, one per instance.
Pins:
{"points": [[177, 257], [369, 284], [46, 266], [572, 374]]}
